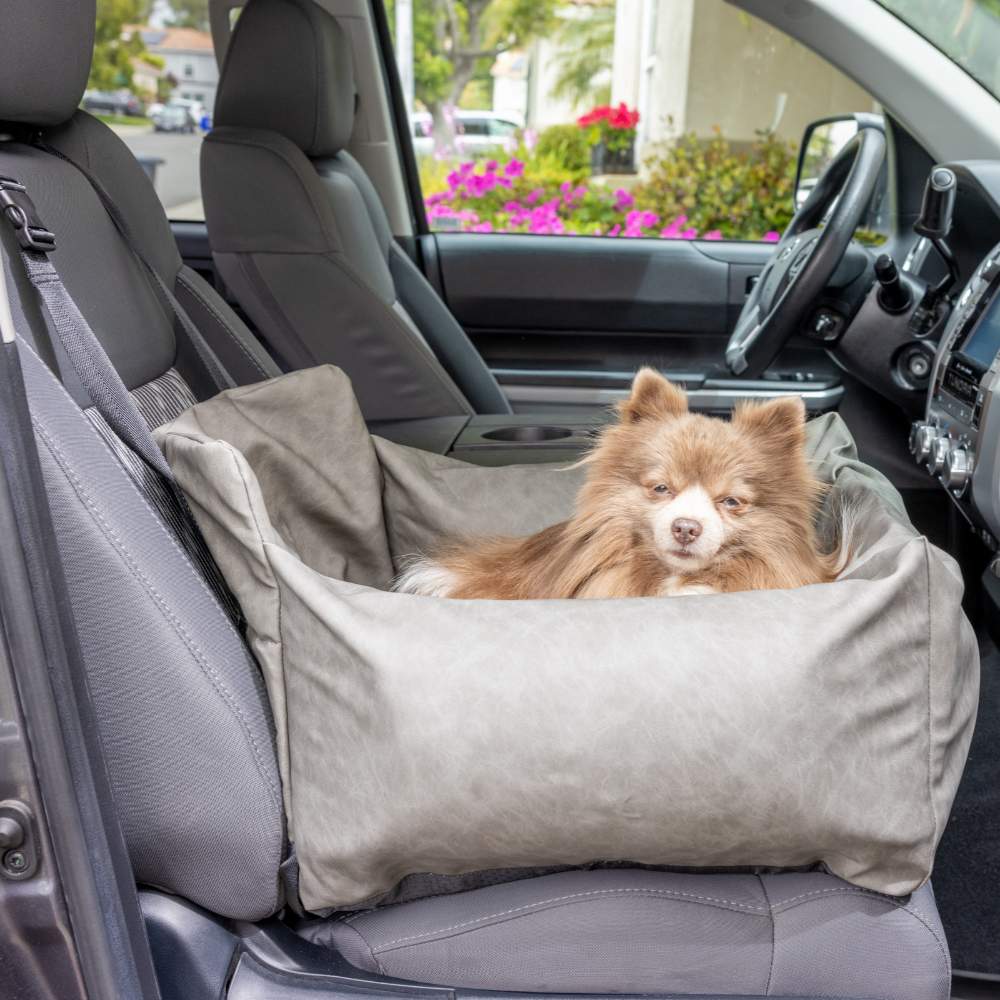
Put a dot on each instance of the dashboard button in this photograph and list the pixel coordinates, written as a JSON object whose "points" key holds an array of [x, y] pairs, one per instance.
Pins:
{"points": [[922, 440], [957, 470], [938, 453]]}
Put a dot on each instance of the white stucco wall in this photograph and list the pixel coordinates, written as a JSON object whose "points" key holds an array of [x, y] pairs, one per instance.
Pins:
{"points": [[696, 65]]}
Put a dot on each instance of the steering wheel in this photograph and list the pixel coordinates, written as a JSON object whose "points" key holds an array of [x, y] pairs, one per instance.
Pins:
{"points": [[807, 254]]}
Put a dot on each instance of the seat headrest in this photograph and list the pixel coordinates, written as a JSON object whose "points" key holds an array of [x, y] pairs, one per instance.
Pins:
{"points": [[45, 52], [289, 69]]}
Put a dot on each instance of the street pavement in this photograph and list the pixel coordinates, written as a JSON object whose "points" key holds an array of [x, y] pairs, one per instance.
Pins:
{"points": [[177, 178]]}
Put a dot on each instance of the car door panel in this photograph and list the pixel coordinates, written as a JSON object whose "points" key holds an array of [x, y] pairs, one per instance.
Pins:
{"points": [[555, 312]]}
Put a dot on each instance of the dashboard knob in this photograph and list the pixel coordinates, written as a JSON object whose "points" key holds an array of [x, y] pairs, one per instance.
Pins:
{"points": [[922, 437], [938, 453], [957, 470]]}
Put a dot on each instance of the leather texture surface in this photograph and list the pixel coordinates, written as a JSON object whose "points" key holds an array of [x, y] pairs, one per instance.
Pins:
{"points": [[637, 931], [45, 51], [773, 728]]}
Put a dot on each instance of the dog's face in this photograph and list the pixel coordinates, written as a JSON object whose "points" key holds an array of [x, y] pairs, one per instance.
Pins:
{"points": [[695, 488]]}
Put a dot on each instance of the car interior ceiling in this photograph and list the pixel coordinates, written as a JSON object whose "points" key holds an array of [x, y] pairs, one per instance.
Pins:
{"points": [[441, 353]]}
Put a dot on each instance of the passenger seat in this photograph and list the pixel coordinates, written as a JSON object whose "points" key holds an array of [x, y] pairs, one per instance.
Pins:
{"points": [[300, 236], [185, 724]]}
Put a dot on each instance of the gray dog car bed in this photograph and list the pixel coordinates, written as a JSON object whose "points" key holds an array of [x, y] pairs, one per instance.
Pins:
{"points": [[827, 724]]}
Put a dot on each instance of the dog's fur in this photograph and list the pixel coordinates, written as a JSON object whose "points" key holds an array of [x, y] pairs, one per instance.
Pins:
{"points": [[745, 485]]}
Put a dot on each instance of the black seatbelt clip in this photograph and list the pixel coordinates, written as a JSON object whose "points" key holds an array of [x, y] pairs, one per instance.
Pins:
{"points": [[19, 210]]}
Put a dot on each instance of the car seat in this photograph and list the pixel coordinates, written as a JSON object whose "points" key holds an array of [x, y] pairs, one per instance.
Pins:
{"points": [[185, 725], [300, 235]]}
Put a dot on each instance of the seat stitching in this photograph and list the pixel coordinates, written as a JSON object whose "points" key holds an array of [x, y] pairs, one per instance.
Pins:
{"points": [[222, 323], [672, 893], [889, 901], [846, 890], [161, 603]]}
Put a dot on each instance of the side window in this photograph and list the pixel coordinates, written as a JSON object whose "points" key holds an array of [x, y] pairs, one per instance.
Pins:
{"points": [[668, 119], [153, 81]]}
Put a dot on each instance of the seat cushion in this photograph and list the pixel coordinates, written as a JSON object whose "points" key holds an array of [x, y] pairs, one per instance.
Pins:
{"points": [[630, 930]]}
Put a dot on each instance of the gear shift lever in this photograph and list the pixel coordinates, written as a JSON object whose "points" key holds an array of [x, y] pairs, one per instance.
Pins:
{"points": [[935, 221]]}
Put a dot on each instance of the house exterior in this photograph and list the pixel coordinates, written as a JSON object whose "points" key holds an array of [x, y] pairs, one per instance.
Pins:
{"points": [[674, 61], [689, 66], [189, 58]]}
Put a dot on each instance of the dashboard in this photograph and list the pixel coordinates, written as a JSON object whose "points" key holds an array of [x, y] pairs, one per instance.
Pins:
{"points": [[958, 441]]}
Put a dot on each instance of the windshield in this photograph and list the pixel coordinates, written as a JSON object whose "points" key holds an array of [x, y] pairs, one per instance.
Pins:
{"points": [[967, 31]]}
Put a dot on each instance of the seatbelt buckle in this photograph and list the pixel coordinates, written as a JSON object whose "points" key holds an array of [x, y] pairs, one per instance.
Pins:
{"points": [[19, 210]]}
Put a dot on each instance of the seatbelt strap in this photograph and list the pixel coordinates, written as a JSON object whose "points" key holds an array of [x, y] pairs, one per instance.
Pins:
{"points": [[99, 376], [89, 360], [210, 362]]}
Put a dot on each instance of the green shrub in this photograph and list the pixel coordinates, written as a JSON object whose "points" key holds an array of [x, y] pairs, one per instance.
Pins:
{"points": [[693, 189], [565, 145], [741, 194]]}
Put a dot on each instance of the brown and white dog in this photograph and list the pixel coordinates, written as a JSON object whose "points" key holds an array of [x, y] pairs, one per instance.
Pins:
{"points": [[674, 503]]}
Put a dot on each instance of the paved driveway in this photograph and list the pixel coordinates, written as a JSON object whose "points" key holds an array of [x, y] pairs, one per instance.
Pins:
{"points": [[177, 179]]}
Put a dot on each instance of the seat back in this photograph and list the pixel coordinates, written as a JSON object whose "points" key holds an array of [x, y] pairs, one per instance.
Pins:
{"points": [[184, 721], [301, 237]]}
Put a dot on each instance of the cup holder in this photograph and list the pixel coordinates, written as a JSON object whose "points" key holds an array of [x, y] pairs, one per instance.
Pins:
{"points": [[528, 434]]}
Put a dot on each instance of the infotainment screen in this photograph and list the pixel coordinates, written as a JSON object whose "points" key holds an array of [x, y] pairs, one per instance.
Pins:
{"points": [[983, 343]]}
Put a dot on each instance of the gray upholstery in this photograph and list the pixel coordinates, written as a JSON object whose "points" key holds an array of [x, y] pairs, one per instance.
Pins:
{"points": [[44, 67], [303, 89], [185, 724], [301, 237], [135, 329], [638, 931], [176, 692]]}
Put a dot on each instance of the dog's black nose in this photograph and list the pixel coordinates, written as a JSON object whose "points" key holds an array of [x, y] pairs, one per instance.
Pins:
{"points": [[685, 530]]}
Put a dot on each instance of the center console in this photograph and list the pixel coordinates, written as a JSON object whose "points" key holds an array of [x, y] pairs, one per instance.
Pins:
{"points": [[958, 441]]}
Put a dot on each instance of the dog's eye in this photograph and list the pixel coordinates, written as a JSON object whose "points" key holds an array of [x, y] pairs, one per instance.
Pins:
{"points": [[661, 488], [731, 503]]}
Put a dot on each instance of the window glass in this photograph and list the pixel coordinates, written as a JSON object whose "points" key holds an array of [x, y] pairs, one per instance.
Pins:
{"points": [[670, 119], [153, 81], [967, 31]]}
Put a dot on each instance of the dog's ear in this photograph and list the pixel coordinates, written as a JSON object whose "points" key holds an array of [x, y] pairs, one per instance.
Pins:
{"points": [[780, 423], [652, 398]]}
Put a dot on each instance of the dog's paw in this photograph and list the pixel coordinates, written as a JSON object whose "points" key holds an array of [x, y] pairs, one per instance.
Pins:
{"points": [[426, 578]]}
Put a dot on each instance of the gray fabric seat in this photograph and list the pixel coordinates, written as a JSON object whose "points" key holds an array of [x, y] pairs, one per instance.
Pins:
{"points": [[185, 724], [300, 236], [637, 931]]}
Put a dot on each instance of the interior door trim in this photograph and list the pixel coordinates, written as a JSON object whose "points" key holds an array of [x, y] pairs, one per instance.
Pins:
{"points": [[816, 400]]}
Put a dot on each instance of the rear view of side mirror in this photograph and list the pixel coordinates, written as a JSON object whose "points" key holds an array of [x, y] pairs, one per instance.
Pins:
{"points": [[821, 142]]}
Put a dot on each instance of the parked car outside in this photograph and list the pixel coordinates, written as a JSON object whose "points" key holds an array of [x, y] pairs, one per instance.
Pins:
{"points": [[475, 131], [173, 118], [113, 102]]}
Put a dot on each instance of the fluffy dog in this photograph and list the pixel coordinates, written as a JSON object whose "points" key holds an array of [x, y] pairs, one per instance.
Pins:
{"points": [[674, 503]]}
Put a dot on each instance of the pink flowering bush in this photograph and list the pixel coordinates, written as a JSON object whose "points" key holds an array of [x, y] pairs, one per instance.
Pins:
{"points": [[691, 188], [522, 195]]}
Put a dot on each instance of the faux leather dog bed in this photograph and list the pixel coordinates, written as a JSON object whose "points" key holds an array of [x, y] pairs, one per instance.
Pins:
{"points": [[827, 724]]}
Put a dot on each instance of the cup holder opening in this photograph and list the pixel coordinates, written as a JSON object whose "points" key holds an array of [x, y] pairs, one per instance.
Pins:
{"points": [[528, 434]]}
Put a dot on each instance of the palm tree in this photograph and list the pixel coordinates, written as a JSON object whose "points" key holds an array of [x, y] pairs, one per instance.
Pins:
{"points": [[586, 41]]}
